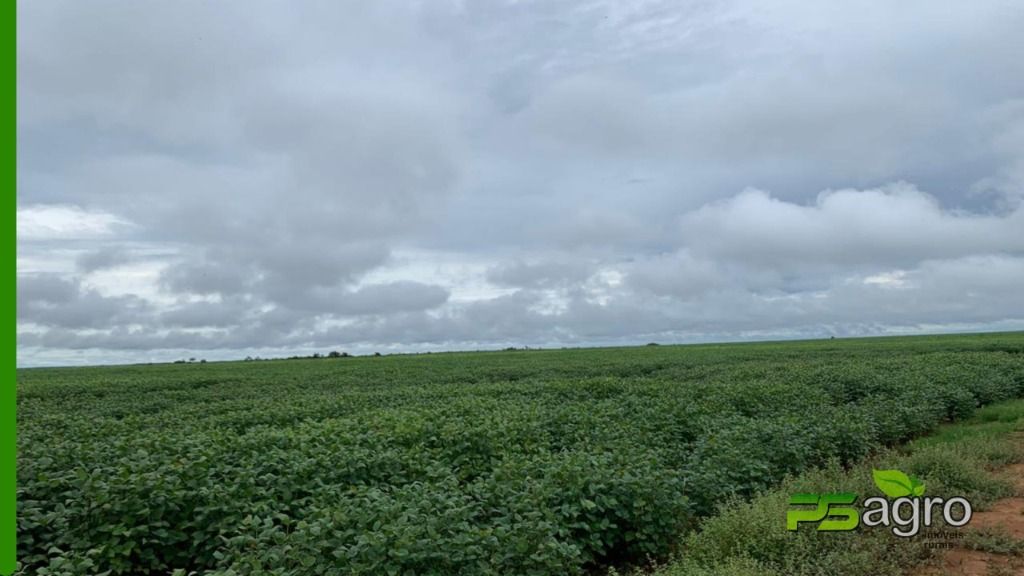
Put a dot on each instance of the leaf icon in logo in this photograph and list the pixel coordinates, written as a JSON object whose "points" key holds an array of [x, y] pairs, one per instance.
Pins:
{"points": [[917, 486], [896, 484]]}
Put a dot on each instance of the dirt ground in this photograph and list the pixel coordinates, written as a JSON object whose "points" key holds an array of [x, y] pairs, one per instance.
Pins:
{"points": [[1007, 515]]}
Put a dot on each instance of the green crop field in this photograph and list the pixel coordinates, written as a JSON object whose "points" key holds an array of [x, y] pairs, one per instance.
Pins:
{"points": [[523, 462]]}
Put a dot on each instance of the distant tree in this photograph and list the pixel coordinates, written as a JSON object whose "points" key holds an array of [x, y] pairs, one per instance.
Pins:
{"points": [[376, 353], [202, 361], [316, 355], [652, 343], [192, 359], [334, 354]]}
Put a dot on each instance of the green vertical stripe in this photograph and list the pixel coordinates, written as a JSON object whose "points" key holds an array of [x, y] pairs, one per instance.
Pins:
{"points": [[8, 442]]}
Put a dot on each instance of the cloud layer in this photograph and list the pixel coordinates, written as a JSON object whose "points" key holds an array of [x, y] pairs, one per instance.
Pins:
{"points": [[210, 179]]}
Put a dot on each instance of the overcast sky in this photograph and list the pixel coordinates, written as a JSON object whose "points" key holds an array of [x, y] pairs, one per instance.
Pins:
{"points": [[219, 179]]}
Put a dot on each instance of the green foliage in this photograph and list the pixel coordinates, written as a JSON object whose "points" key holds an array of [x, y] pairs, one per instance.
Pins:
{"points": [[746, 536], [947, 468], [995, 540], [749, 537], [546, 462]]}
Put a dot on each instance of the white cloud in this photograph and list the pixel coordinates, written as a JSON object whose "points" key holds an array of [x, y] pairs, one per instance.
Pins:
{"points": [[890, 225], [894, 279], [67, 222]]}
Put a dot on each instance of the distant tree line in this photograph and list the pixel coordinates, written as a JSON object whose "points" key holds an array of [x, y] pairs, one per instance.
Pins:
{"points": [[313, 356]]}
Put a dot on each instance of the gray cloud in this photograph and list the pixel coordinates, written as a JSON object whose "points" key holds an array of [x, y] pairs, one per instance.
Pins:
{"points": [[48, 300], [549, 273], [206, 278], [225, 312], [103, 258], [252, 178]]}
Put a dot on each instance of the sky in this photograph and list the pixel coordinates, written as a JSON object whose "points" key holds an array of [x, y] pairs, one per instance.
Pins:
{"points": [[221, 179]]}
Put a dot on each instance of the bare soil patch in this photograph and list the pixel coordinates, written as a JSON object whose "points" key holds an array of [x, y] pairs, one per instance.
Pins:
{"points": [[1006, 515]]}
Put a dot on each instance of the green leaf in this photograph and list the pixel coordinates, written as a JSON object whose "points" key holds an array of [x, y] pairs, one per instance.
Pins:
{"points": [[917, 486], [893, 483]]}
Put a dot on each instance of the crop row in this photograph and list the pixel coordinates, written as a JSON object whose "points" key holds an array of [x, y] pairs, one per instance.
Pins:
{"points": [[508, 463]]}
